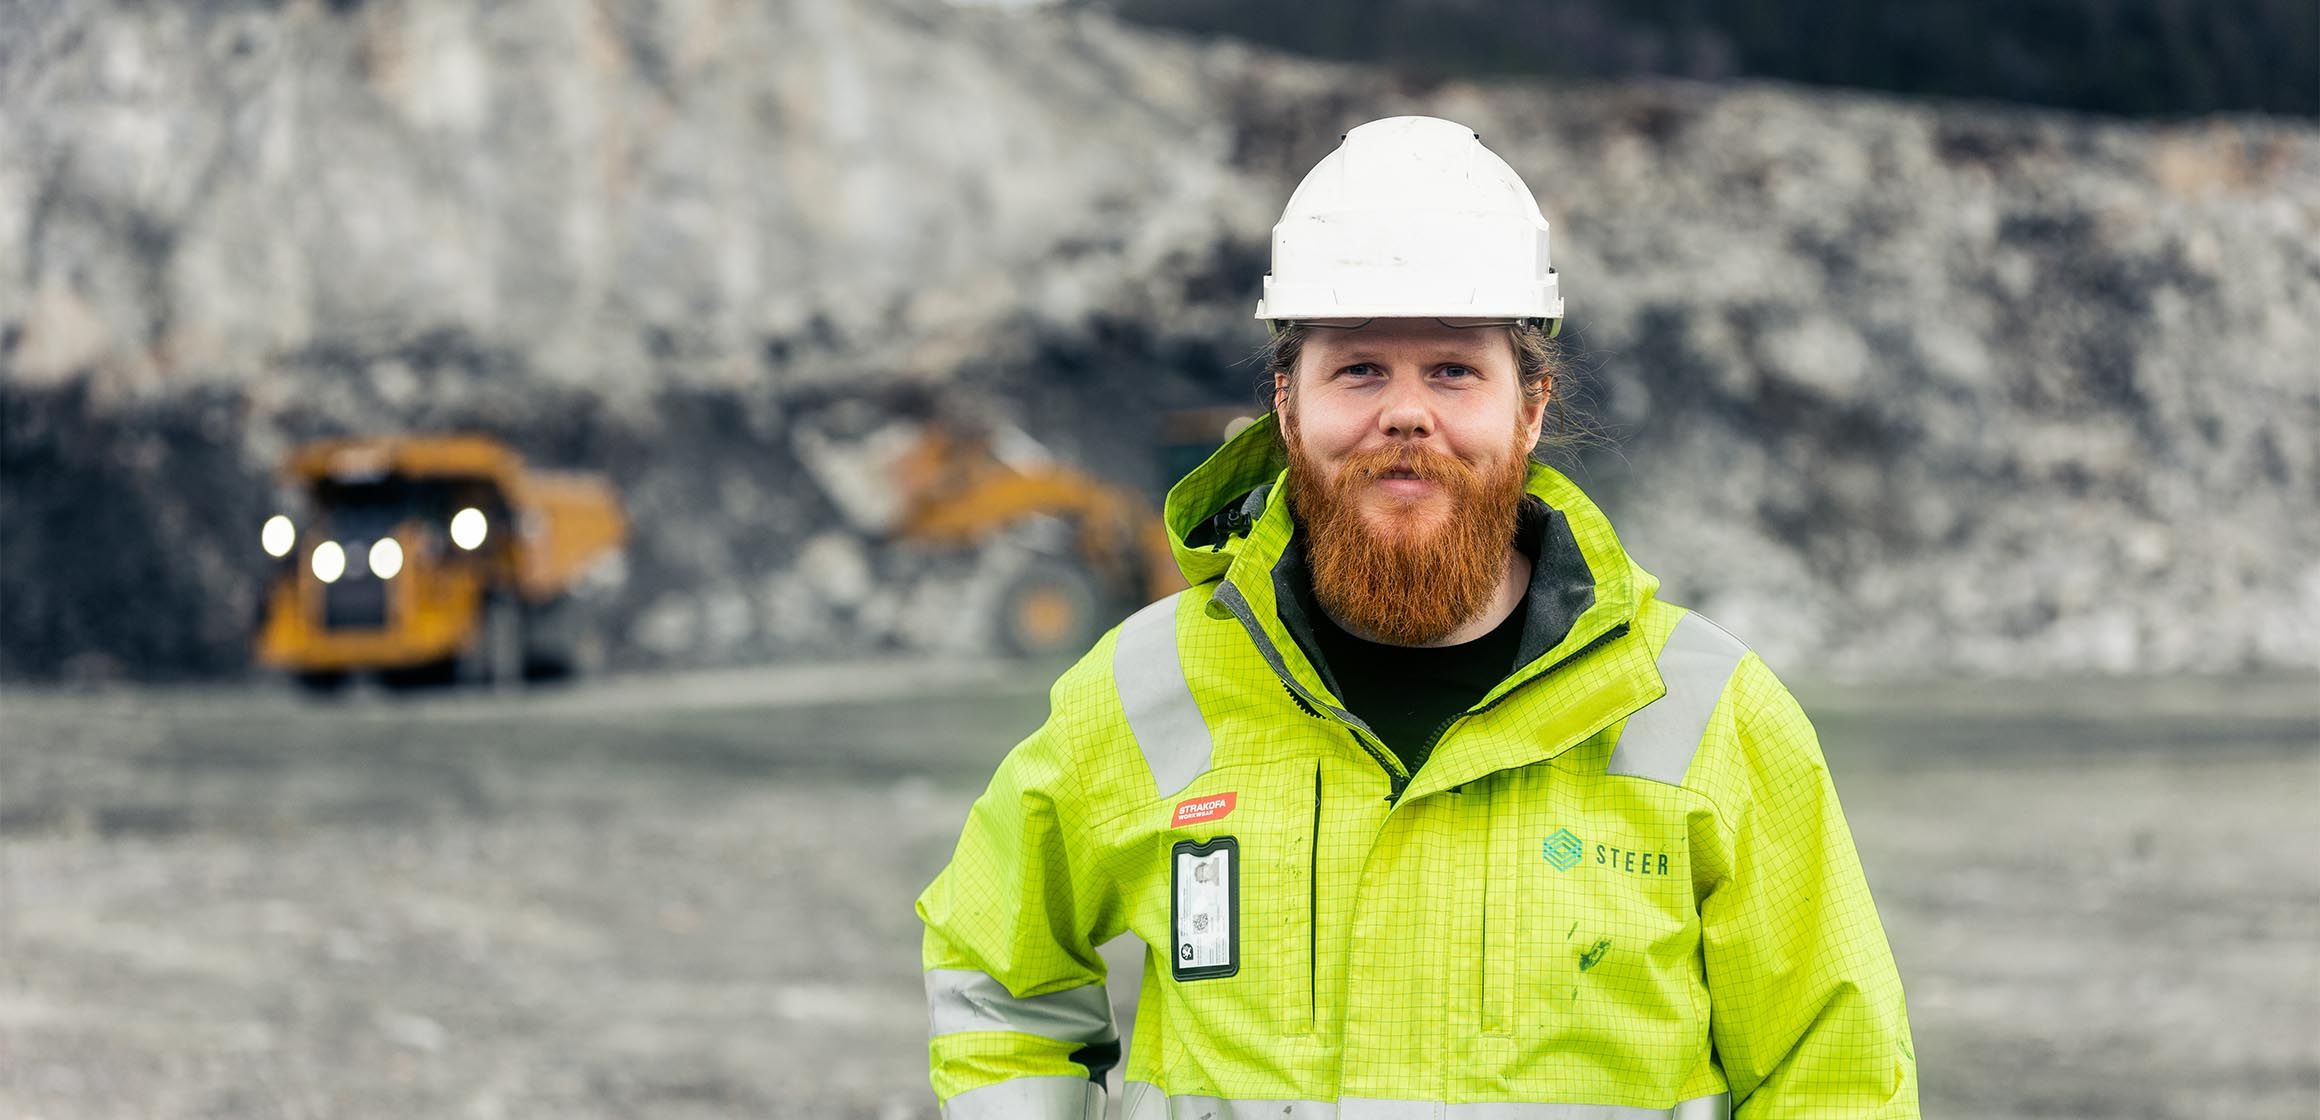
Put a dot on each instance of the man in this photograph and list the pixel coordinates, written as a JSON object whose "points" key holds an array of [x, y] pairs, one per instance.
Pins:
{"points": [[1424, 802]]}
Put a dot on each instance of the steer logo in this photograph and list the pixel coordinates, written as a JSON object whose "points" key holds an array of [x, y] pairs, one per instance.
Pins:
{"points": [[1566, 851], [1196, 810], [1562, 849]]}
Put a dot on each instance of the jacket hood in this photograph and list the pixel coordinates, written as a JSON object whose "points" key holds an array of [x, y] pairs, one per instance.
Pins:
{"points": [[1205, 508]]}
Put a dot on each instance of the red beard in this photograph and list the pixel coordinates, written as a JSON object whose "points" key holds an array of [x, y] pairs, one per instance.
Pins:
{"points": [[1408, 571]]}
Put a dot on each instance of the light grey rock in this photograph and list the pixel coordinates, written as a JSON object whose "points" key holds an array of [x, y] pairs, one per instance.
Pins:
{"points": [[669, 629], [1895, 387], [833, 566]]}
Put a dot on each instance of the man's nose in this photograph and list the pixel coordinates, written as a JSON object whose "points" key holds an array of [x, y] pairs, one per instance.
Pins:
{"points": [[1405, 413]]}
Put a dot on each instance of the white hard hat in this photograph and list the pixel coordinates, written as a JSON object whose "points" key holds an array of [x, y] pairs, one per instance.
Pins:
{"points": [[1411, 217]]}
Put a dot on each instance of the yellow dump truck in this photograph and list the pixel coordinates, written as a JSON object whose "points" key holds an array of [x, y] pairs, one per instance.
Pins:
{"points": [[423, 557]]}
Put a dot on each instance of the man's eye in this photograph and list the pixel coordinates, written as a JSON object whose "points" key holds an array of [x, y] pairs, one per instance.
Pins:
{"points": [[1456, 371], [1359, 369]]}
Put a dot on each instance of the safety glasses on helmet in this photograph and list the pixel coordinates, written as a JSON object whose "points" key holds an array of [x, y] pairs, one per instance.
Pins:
{"points": [[1447, 321]]}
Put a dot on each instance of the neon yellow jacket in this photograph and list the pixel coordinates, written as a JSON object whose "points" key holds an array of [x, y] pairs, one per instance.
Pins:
{"points": [[1619, 887]]}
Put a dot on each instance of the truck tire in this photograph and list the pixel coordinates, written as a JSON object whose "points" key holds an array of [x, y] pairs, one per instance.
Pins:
{"points": [[496, 657], [1050, 610], [589, 654], [322, 682], [564, 639]]}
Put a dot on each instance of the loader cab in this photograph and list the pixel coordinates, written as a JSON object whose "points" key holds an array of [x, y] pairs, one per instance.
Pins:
{"points": [[1188, 436]]}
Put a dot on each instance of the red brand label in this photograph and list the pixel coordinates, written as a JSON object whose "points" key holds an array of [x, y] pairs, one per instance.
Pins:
{"points": [[1201, 809]]}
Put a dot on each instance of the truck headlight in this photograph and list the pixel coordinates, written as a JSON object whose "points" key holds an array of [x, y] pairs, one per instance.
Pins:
{"points": [[329, 561], [468, 528], [279, 536], [386, 558]]}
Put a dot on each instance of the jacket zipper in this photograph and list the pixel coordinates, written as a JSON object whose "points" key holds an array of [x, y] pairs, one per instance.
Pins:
{"points": [[1240, 609], [1301, 704], [1440, 729], [1443, 728], [1597, 642], [1395, 783]]}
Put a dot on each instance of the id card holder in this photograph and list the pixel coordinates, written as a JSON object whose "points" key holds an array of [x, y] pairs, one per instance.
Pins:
{"points": [[1205, 909]]}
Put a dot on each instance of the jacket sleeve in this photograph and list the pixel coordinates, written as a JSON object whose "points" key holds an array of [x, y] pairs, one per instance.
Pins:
{"points": [[1021, 1026], [1806, 1010]]}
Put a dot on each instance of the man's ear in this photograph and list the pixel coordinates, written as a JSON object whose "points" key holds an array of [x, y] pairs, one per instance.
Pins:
{"points": [[1280, 394], [1534, 414]]}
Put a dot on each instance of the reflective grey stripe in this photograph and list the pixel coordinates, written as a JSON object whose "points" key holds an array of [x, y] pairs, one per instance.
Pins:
{"points": [[1718, 1107], [1158, 1107], [1659, 741], [959, 999], [1030, 1098], [1149, 672], [1144, 1104]]}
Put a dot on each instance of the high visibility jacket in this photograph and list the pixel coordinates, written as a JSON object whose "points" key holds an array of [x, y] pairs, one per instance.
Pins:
{"points": [[1619, 887]]}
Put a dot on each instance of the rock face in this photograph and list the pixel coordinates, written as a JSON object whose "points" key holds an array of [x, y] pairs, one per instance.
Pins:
{"points": [[1916, 387], [1890, 388]]}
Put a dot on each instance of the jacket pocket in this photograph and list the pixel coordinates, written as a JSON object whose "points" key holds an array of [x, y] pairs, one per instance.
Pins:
{"points": [[1501, 909], [1268, 813], [1590, 936], [1313, 909]]}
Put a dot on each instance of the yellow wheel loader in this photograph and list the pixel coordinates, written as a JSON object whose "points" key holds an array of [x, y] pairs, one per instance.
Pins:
{"points": [[923, 475], [428, 556]]}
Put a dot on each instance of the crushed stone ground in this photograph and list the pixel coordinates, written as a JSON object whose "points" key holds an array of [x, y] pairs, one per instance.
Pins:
{"points": [[691, 897]]}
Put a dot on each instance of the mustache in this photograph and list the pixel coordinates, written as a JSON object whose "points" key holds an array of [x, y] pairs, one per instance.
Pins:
{"points": [[1421, 462]]}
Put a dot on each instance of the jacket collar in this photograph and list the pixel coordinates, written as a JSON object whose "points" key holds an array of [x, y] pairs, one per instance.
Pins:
{"points": [[1229, 523]]}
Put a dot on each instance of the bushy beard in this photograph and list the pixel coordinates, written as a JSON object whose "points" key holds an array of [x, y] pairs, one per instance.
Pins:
{"points": [[1418, 572]]}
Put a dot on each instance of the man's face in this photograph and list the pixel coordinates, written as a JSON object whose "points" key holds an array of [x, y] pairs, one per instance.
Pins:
{"points": [[1408, 445]]}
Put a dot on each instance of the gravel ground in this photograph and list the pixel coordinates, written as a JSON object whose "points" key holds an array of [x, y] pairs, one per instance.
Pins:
{"points": [[691, 896]]}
